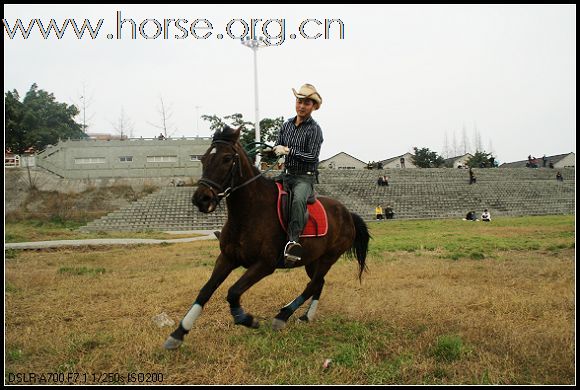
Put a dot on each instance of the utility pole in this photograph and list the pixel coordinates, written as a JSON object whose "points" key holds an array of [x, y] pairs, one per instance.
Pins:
{"points": [[197, 116]]}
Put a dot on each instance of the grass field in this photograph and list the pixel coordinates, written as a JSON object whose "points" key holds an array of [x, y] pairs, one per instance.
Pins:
{"points": [[444, 302]]}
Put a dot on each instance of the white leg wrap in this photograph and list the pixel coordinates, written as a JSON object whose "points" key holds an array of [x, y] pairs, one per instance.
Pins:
{"points": [[312, 310], [191, 316]]}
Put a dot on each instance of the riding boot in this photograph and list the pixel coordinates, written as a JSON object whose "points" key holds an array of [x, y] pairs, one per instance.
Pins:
{"points": [[302, 188]]}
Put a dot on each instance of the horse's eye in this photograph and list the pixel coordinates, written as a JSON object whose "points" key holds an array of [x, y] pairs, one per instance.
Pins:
{"points": [[228, 158]]}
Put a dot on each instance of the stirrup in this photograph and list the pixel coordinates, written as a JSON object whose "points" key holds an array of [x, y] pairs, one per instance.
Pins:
{"points": [[292, 252]]}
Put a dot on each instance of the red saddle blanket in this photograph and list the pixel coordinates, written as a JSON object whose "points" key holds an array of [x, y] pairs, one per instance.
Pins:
{"points": [[317, 224]]}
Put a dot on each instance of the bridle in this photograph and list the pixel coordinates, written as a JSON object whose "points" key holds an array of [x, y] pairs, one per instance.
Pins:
{"points": [[217, 189]]}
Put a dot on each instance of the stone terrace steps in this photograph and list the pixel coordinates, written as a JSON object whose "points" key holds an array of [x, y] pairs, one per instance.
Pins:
{"points": [[169, 209], [446, 193], [413, 193]]}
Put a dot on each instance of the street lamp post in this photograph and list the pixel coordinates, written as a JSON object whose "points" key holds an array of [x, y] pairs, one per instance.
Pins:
{"points": [[255, 44], [197, 116]]}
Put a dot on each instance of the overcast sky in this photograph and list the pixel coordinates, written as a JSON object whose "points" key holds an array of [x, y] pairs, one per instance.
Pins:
{"points": [[401, 75]]}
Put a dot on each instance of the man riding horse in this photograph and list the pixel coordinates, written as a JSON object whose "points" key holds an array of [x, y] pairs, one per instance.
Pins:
{"points": [[300, 139], [251, 198]]}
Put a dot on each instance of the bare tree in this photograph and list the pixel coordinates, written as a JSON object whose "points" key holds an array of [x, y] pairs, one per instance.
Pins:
{"points": [[85, 102], [455, 149], [165, 114], [477, 139], [445, 146], [123, 125], [490, 148], [464, 140]]}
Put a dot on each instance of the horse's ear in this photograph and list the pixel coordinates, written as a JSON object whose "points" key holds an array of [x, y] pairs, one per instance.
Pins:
{"points": [[230, 134], [237, 133]]}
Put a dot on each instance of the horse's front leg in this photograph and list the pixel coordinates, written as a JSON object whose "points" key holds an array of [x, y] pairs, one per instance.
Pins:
{"points": [[220, 272], [254, 274]]}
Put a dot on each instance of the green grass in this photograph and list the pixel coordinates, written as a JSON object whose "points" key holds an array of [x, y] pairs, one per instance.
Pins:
{"points": [[448, 348], [457, 239], [353, 347], [81, 271]]}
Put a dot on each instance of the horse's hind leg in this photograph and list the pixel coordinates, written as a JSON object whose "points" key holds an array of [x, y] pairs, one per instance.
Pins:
{"points": [[309, 314], [314, 286], [220, 272]]}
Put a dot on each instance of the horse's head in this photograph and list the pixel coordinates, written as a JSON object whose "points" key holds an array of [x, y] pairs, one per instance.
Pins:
{"points": [[222, 167]]}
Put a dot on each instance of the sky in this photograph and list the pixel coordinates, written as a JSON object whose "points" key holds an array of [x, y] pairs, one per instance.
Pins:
{"points": [[392, 77]]}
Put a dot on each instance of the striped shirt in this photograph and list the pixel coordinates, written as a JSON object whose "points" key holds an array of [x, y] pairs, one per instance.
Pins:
{"points": [[304, 142]]}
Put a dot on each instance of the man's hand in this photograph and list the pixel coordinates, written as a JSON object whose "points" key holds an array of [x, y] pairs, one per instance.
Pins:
{"points": [[281, 150]]}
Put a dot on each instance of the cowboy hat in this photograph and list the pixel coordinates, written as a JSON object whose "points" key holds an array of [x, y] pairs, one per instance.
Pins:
{"points": [[307, 91]]}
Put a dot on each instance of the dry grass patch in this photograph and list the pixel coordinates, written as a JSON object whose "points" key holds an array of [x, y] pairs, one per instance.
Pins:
{"points": [[417, 318]]}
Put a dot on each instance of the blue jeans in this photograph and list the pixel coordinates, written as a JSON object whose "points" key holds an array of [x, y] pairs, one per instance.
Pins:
{"points": [[302, 187]]}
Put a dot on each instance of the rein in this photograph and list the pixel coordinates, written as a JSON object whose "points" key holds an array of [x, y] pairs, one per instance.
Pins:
{"points": [[228, 191]]}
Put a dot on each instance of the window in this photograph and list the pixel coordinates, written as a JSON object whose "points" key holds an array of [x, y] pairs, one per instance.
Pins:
{"points": [[161, 159], [126, 159], [90, 160], [195, 157]]}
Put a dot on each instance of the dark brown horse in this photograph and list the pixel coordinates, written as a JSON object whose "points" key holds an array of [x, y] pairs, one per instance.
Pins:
{"points": [[253, 238]]}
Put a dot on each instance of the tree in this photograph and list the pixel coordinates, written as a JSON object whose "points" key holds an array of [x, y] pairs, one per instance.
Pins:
{"points": [[13, 112], [268, 129], [215, 122], [482, 160], [39, 120], [424, 158]]}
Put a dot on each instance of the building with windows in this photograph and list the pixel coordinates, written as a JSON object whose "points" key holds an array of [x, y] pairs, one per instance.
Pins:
{"points": [[128, 158], [567, 160], [403, 161], [342, 160], [458, 161]]}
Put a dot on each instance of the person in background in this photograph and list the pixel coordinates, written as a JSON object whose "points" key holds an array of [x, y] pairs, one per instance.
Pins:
{"points": [[470, 216], [485, 216], [472, 178], [379, 212], [389, 213]]}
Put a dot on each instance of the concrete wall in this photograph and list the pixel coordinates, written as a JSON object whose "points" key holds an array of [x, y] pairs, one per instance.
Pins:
{"points": [[67, 158]]}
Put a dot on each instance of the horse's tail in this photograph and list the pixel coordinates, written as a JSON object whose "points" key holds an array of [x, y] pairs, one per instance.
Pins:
{"points": [[360, 245]]}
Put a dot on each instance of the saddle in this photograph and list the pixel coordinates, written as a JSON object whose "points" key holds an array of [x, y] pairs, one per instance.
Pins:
{"points": [[317, 223]]}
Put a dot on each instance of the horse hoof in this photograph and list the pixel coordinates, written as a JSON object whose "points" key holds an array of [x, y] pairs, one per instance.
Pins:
{"points": [[172, 343], [303, 318], [255, 324], [278, 324]]}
